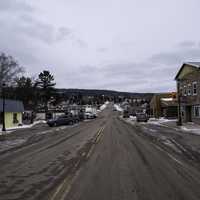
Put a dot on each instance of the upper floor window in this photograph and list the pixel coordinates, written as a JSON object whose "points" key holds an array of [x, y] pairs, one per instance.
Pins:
{"points": [[194, 88], [185, 91], [189, 90]]}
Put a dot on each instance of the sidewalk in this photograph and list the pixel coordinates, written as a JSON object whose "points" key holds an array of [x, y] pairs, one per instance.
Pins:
{"points": [[189, 127]]}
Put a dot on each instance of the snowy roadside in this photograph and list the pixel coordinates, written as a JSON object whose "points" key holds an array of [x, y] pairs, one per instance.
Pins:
{"points": [[118, 108], [170, 136], [10, 130], [104, 105], [171, 123]]}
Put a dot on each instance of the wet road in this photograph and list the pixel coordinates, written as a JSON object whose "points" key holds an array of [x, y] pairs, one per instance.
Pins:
{"points": [[105, 159]]}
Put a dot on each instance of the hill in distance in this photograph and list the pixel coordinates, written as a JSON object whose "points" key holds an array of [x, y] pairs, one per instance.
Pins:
{"points": [[92, 92]]}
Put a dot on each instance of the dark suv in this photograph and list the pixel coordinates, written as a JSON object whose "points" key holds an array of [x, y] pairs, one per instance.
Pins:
{"points": [[142, 117], [61, 120]]}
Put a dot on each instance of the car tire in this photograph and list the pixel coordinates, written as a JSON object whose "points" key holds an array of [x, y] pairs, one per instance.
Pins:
{"points": [[55, 124]]}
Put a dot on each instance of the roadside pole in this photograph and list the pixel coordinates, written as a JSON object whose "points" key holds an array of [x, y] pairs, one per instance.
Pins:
{"points": [[3, 96], [179, 122]]}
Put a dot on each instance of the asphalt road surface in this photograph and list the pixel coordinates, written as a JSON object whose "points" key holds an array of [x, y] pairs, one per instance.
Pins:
{"points": [[102, 159]]}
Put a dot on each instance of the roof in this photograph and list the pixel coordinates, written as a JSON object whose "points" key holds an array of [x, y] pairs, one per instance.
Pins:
{"points": [[12, 106], [195, 64], [191, 64]]}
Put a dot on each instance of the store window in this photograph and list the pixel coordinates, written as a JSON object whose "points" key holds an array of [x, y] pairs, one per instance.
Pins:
{"points": [[197, 111]]}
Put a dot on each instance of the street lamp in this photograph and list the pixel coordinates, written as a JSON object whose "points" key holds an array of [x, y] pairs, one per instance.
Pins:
{"points": [[179, 122], [3, 96]]}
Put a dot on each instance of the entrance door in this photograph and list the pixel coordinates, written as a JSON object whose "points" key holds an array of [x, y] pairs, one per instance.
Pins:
{"points": [[188, 113]]}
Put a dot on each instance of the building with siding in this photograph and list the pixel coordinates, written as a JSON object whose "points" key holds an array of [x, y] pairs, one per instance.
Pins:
{"points": [[188, 85], [164, 105], [13, 112]]}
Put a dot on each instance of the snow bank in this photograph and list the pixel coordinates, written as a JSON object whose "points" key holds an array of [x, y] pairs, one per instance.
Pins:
{"points": [[118, 108], [193, 130], [9, 130], [104, 105], [160, 121]]}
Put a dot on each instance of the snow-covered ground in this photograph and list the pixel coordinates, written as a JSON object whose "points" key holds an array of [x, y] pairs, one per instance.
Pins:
{"points": [[195, 129], [118, 108], [160, 121], [9, 130], [104, 105]]}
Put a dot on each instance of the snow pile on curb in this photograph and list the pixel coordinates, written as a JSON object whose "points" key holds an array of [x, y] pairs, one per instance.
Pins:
{"points": [[104, 105], [9, 130], [160, 121], [118, 108], [133, 118], [193, 130]]}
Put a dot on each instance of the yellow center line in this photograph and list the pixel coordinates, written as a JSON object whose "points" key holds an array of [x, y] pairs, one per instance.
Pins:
{"points": [[65, 186]]}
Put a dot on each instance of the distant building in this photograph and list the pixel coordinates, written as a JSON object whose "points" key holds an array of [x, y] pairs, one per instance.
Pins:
{"points": [[13, 112], [188, 80], [164, 105]]}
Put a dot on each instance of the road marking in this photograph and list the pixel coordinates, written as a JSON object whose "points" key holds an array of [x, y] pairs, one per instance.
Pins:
{"points": [[96, 140], [64, 188]]}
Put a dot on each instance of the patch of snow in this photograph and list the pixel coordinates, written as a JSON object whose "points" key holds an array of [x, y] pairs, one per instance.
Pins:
{"points": [[167, 99], [132, 117], [193, 130], [104, 105], [10, 130], [118, 108], [160, 120]]}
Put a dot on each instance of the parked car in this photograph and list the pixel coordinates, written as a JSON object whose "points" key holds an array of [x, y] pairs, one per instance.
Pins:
{"points": [[125, 114], [141, 117], [61, 120], [90, 115]]}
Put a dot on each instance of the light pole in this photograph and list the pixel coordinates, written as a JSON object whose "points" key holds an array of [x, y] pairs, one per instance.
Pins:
{"points": [[3, 96], [179, 122]]}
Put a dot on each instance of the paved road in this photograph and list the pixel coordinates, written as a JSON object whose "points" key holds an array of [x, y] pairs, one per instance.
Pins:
{"points": [[102, 159]]}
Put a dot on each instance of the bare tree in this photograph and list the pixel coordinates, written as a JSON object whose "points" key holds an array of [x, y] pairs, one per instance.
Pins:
{"points": [[9, 69]]}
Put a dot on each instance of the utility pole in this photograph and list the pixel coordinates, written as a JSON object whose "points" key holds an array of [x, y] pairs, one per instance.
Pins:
{"points": [[179, 122], [3, 96]]}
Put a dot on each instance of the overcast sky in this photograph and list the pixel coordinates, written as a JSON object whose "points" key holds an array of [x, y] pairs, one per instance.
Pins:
{"points": [[126, 45]]}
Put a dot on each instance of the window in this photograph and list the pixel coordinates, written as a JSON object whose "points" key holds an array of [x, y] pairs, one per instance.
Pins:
{"points": [[185, 91], [15, 120], [197, 111], [194, 88], [189, 91]]}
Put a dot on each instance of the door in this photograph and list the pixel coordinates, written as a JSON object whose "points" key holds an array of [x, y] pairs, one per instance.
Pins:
{"points": [[188, 113]]}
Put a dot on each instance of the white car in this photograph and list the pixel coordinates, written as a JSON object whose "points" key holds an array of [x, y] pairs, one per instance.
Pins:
{"points": [[90, 115]]}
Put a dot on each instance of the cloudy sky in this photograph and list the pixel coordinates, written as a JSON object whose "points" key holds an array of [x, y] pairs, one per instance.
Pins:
{"points": [[126, 45]]}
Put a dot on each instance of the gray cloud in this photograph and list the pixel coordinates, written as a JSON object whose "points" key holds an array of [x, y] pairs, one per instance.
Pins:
{"points": [[86, 49], [15, 6], [187, 44], [33, 28], [177, 56], [102, 49]]}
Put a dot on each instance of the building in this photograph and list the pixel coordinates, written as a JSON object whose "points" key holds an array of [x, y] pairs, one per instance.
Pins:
{"points": [[188, 85], [13, 113], [164, 105]]}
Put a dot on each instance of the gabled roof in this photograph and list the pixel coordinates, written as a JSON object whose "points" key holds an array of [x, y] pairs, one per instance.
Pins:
{"points": [[12, 106], [194, 65]]}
